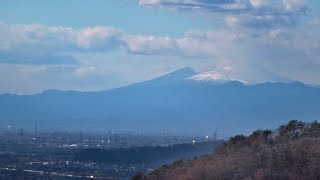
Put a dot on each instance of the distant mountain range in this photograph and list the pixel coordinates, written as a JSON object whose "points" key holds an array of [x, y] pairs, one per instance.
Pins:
{"points": [[180, 102]]}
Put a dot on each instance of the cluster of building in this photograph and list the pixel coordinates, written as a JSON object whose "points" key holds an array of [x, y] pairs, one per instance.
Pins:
{"points": [[35, 153]]}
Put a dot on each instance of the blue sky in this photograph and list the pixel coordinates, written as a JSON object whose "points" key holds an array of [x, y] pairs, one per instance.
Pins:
{"points": [[124, 14], [97, 44]]}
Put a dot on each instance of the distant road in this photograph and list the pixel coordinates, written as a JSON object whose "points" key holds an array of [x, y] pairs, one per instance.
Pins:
{"points": [[61, 174]]}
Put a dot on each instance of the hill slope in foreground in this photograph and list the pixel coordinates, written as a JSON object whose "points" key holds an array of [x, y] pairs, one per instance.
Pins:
{"points": [[290, 152]]}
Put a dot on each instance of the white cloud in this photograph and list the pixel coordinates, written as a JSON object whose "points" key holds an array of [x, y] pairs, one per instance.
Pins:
{"points": [[81, 71], [40, 44], [149, 2], [148, 44], [293, 5], [250, 13], [50, 36], [231, 20], [86, 37], [257, 3]]}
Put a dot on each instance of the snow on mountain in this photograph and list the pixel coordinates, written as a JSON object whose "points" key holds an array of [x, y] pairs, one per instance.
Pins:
{"points": [[217, 74]]}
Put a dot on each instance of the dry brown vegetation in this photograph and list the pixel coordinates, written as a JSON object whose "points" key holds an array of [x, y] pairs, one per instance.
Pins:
{"points": [[290, 152]]}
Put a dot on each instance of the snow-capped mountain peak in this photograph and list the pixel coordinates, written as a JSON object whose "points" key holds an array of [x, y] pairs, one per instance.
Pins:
{"points": [[208, 76], [216, 74]]}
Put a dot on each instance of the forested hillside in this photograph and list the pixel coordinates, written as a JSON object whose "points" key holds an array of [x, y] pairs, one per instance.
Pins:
{"points": [[290, 152]]}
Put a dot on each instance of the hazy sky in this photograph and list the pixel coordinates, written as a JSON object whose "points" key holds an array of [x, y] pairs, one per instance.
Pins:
{"points": [[102, 44]]}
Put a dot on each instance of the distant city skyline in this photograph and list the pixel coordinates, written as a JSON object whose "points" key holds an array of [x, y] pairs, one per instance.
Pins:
{"points": [[96, 45]]}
